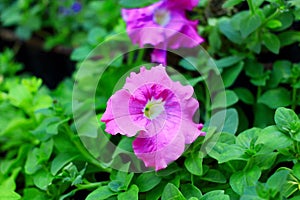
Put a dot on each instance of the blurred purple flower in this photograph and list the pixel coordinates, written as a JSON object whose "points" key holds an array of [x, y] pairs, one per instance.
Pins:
{"points": [[76, 7], [158, 111], [64, 11], [169, 15]]}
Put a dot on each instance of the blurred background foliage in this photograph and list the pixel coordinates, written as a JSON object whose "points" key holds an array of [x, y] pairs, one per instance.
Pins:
{"points": [[255, 46]]}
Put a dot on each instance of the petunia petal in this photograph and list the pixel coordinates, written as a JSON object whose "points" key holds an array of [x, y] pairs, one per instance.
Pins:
{"points": [[160, 150], [191, 130], [180, 4], [117, 116], [155, 75], [159, 56]]}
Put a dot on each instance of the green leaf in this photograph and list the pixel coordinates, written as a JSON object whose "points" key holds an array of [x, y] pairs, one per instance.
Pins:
{"points": [[9, 195], [11, 15], [81, 53], [227, 138], [273, 138], [52, 128], [266, 160], [116, 185], [156, 192], [223, 152], [136, 3], [229, 31], [147, 181], [230, 74], [254, 44], [45, 150], [34, 194], [20, 96], [263, 115], [102, 193], [286, 19], [272, 42], [216, 194], [277, 180], [214, 39], [275, 98], [256, 71], [274, 23], [225, 121], [251, 194], [242, 179], [32, 164], [231, 3], [120, 180], [250, 24], [131, 194], [194, 81], [42, 179], [8, 186], [258, 3], [23, 32], [296, 170], [214, 176], [171, 169], [246, 138], [189, 63], [287, 120], [96, 35], [47, 128], [37, 156], [245, 95], [61, 160], [253, 68], [281, 70], [219, 101], [189, 191], [193, 163], [228, 61], [171, 192], [124, 146], [289, 37]]}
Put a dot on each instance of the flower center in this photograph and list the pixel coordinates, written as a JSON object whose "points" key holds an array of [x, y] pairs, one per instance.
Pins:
{"points": [[153, 108], [162, 17]]}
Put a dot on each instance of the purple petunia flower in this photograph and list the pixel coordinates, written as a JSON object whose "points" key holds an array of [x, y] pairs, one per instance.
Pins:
{"points": [[169, 15], [158, 111]]}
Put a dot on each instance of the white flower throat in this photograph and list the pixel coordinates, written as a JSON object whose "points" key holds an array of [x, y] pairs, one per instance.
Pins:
{"points": [[162, 17], [154, 108]]}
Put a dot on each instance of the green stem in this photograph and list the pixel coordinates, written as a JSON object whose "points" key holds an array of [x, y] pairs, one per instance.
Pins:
{"points": [[259, 90], [130, 57], [83, 151], [207, 104], [248, 165], [297, 149], [251, 6], [90, 185], [275, 14], [192, 179], [294, 98], [140, 55], [231, 166]]}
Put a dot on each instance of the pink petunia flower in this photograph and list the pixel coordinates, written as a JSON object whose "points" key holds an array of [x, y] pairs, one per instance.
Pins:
{"points": [[158, 111], [168, 20]]}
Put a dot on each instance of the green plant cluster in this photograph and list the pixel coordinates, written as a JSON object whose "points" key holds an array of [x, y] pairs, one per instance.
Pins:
{"points": [[255, 155], [57, 24]]}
